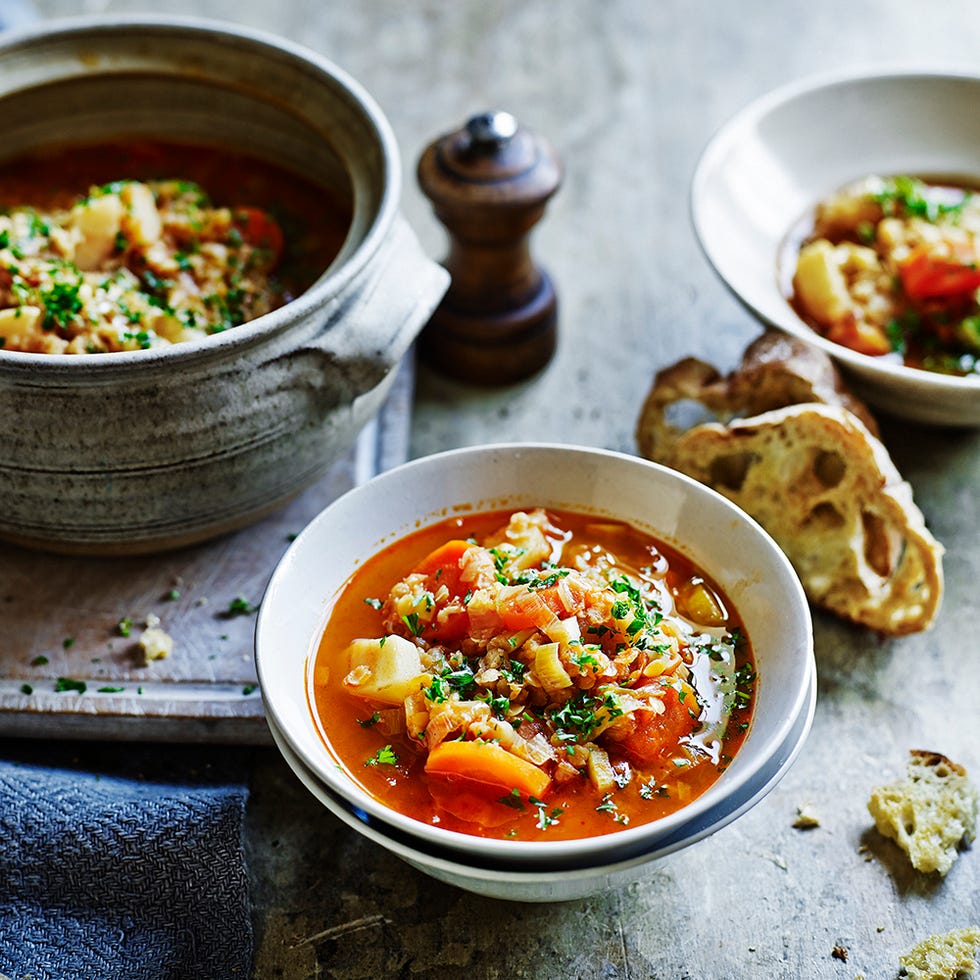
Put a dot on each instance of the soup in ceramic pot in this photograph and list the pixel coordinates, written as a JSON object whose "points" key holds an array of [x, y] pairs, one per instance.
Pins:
{"points": [[141, 244], [533, 675]]}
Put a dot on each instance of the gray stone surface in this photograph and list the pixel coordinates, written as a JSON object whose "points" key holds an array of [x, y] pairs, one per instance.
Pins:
{"points": [[629, 93]]}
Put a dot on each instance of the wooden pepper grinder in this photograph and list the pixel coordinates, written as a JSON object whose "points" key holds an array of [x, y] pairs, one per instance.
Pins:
{"points": [[489, 183]]}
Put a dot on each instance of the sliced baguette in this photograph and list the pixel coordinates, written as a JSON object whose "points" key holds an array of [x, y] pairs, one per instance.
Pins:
{"points": [[929, 813], [811, 472]]}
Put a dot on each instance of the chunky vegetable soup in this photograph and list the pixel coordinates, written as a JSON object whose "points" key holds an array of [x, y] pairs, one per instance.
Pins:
{"points": [[144, 244], [538, 675], [891, 267]]}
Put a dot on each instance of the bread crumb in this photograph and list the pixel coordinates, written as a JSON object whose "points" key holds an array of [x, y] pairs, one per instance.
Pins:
{"points": [[839, 953], [942, 956], [154, 643], [806, 819], [929, 813]]}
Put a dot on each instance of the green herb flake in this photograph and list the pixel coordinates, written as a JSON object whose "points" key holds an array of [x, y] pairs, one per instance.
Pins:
{"points": [[240, 606], [512, 799], [110, 690], [249, 689], [26, 689], [383, 757], [373, 603], [545, 818], [39, 661], [70, 684], [370, 722], [124, 626]]}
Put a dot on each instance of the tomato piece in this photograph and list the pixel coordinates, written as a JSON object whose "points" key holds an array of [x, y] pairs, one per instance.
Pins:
{"points": [[539, 607], [657, 735], [926, 276], [260, 230], [525, 609]]}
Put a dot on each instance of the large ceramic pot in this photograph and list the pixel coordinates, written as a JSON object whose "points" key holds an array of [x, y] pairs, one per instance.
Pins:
{"points": [[142, 450]]}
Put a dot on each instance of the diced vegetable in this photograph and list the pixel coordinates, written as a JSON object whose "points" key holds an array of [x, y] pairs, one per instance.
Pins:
{"points": [[261, 230], [656, 734], [386, 670], [928, 276], [487, 763]]}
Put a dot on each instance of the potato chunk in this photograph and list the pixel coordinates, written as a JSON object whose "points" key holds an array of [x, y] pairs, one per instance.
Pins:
{"points": [[97, 222], [820, 282], [18, 321], [386, 670], [141, 222]]}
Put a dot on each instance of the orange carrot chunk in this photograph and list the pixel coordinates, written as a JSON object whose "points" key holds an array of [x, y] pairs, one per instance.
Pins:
{"points": [[487, 763]]}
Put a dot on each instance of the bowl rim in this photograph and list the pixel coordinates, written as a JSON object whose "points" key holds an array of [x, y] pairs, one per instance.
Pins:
{"points": [[581, 851], [334, 279], [728, 135]]}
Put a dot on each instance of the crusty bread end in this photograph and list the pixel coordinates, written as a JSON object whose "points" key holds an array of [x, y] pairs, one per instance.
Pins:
{"points": [[929, 813], [812, 474]]}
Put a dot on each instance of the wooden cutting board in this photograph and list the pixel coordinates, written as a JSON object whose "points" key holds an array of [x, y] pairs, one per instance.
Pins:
{"points": [[67, 670]]}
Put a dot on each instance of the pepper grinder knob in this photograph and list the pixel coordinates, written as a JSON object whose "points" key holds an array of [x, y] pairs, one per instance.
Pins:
{"points": [[489, 183]]}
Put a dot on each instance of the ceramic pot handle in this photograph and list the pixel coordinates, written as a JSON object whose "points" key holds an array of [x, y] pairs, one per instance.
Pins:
{"points": [[383, 310]]}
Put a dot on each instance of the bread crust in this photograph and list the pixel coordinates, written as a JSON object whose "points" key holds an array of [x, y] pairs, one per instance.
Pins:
{"points": [[812, 473], [929, 813]]}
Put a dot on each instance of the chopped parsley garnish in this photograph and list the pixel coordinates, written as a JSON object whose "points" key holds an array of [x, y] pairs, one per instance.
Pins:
{"points": [[608, 805], [744, 685], [498, 705], [370, 722], [240, 606], [110, 690], [249, 689], [411, 620], [173, 595], [26, 689], [383, 757], [546, 818], [650, 789], [124, 626], [39, 661], [911, 196], [70, 684], [62, 304], [580, 716], [512, 799], [68, 642]]}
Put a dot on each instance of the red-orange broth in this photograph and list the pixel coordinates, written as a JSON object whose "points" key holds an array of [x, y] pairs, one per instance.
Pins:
{"points": [[658, 624]]}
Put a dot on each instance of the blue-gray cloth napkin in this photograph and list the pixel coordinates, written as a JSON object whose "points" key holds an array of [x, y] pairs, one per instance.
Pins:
{"points": [[122, 861]]}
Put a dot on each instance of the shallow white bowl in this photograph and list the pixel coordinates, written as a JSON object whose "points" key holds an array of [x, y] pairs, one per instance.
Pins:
{"points": [[783, 153], [719, 537]]}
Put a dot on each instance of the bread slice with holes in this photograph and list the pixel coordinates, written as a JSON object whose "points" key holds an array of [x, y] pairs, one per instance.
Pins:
{"points": [[817, 480], [930, 813], [942, 956], [803, 462]]}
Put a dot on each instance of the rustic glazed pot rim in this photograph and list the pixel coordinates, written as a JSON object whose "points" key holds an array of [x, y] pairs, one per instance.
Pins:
{"points": [[337, 84]]}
